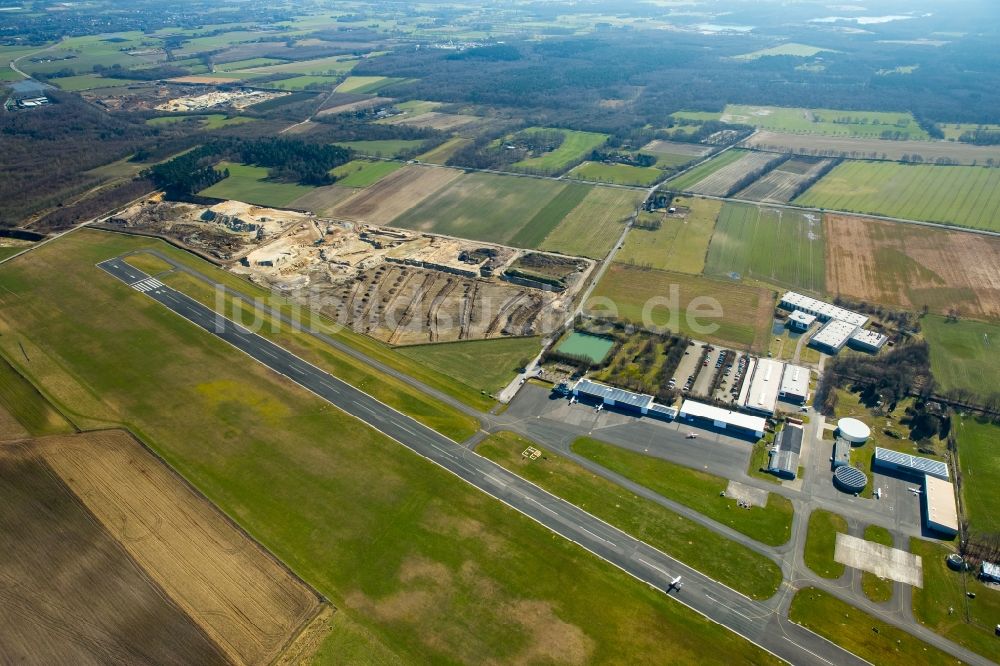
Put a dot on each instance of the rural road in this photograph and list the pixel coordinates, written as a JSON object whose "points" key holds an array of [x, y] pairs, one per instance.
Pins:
{"points": [[755, 621]]}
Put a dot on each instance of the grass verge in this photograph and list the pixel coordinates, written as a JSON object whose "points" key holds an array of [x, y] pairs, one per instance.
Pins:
{"points": [[877, 589], [821, 540]]}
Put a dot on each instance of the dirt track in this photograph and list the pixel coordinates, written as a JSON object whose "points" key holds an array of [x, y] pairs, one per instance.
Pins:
{"points": [[911, 266]]}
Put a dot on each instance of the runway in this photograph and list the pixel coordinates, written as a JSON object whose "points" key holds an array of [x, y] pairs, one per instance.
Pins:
{"points": [[753, 620]]}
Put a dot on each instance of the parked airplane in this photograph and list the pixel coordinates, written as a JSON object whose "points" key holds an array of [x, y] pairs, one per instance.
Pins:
{"points": [[690, 435], [916, 491]]}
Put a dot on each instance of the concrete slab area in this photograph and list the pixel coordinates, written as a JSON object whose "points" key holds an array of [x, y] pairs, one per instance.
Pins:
{"points": [[740, 491], [883, 561]]}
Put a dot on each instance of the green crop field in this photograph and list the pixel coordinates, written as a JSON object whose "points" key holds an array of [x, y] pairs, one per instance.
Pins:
{"points": [[383, 147], [484, 207], [29, 407], [776, 246], [699, 173], [696, 489], [362, 173], [247, 64], [548, 218], [790, 49], [90, 82], [208, 121], [821, 540], [743, 319], [963, 353], [327, 66], [442, 153], [367, 84], [575, 146], [727, 561], [861, 633], [829, 122], [979, 458], [952, 131], [972, 623], [334, 486], [250, 185], [618, 174], [305, 81], [679, 244], [593, 227], [967, 196], [483, 365]]}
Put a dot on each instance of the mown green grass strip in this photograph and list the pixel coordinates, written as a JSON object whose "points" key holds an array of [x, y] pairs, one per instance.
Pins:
{"points": [[27, 405], [731, 563], [875, 588], [821, 540], [697, 490], [548, 218]]}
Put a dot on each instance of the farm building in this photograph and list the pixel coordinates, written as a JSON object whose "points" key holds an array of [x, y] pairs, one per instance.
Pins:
{"points": [[742, 425], [866, 340], [760, 389], [794, 384], [800, 321], [940, 511], [613, 397], [833, 336], [784, 455], [822, 310], [894, 462]]}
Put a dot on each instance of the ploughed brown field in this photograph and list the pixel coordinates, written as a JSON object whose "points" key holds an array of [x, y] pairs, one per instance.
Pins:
{"points": [[394, 194], [909, 266], [111, 557]]}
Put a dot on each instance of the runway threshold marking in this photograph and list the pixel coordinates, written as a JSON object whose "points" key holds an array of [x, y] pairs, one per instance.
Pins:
{"points": [[807, 650]]}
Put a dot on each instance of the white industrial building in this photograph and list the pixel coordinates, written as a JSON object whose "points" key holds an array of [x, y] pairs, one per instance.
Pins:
{"points": [[834, 335], [801, 321], [913, 466], [735, 422], [613, 397], [760, 388], [940, 510], [824, 311], [794, 384], [868, 341]]}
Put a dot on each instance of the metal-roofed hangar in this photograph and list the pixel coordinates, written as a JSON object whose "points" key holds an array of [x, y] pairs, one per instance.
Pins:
{"points": [[904, 463], [760, 390], [941, 513], [794, 384], [742, 425], [784, 456], [613, 397]]}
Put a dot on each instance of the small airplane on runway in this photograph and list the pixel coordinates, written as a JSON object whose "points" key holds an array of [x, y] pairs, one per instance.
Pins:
{"points": [[675, 584], [691, 435], [916, 491]]}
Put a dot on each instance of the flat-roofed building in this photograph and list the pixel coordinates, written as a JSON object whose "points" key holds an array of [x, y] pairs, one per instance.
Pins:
{"points": [[784, 455], [866, 340], [940, 510], [743, 425], [794, 384], [760, 388], [833, 336], [824, 311], [801, 321], [887, 460], [841, 453], [613, 397]]}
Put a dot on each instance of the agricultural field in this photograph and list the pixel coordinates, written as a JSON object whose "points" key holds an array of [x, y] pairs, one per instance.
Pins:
{"points": [[787, 180], [395, 194], [694, 544], [575, 146], [692, 177], [973, 621], [745, 321], [250, 184], [617, 174], [490, 208], [719, 181], [961, 195], [367, 84], [773, 246], [790, 49], [909, 266], [305, 81], [963, 353], [90, 82], [952, 131], [443, 153], [483, 365], [383, 147], [24, 404], [673, 154], [831, 122], [231, 427], [362, 173], [980, 463], [873, 149], [82, 54], [321, 66], [594, 226], [437, 121], [250, 63], [681, 242], [208, 121], [696, 116]]}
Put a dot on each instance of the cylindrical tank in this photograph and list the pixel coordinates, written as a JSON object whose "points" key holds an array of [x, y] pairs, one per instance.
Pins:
{"points": [[853, 430]]}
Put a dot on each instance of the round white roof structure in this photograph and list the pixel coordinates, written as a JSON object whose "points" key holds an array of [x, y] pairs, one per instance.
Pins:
{"points": [[853, 430]]}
